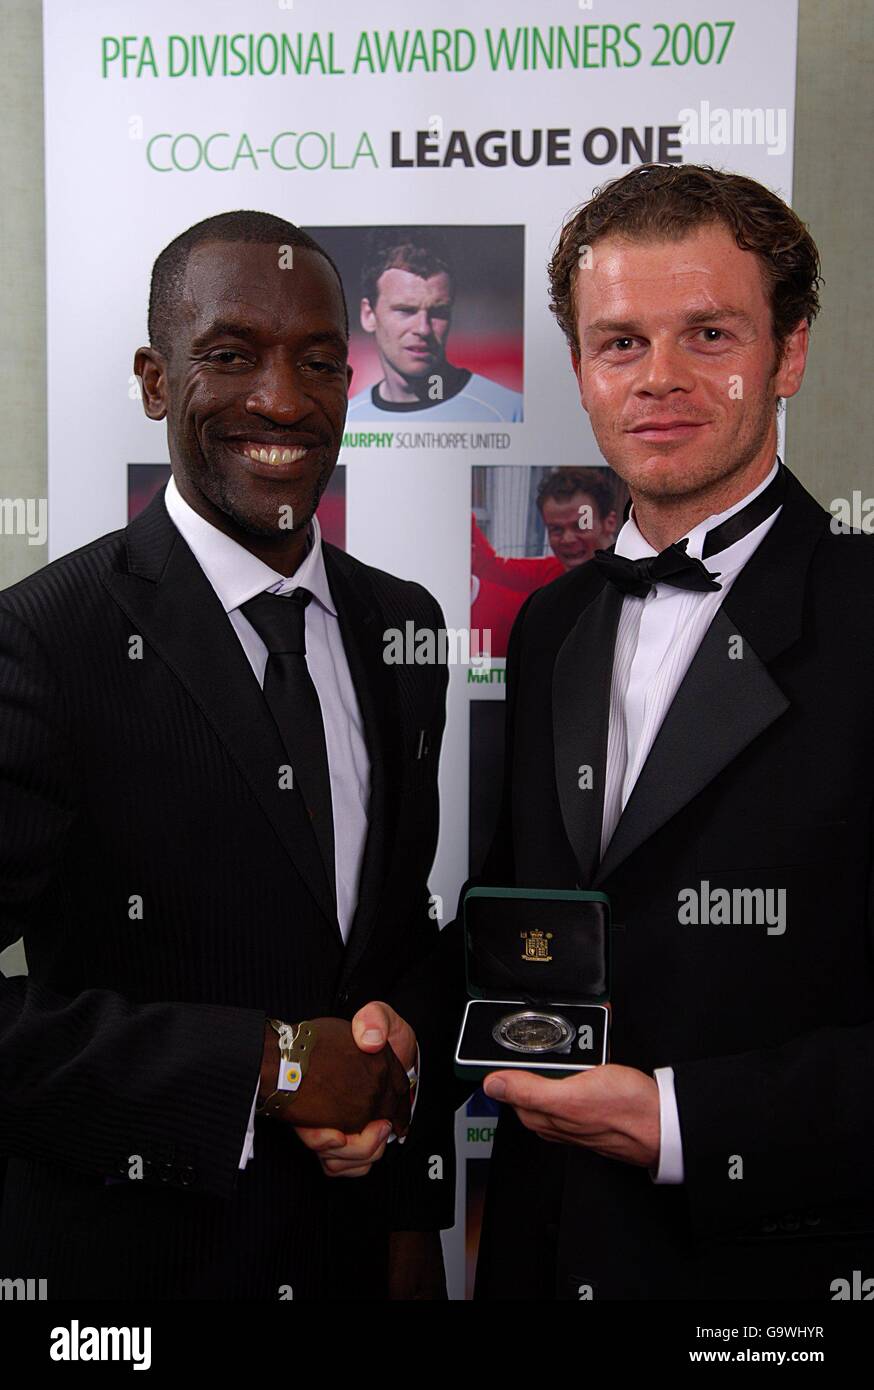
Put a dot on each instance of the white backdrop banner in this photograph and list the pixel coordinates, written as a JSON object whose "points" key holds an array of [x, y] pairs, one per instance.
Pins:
{"points": [[477, 125]]}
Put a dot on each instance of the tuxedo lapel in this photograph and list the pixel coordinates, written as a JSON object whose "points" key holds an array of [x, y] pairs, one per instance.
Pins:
{"points": [[361, 627], [581, 682], [725, 701], [720, 707], [171, 603]]}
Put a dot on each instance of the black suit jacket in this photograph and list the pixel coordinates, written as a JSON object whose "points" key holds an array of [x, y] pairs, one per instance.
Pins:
{"points": [[170, 896], [760, 777]]}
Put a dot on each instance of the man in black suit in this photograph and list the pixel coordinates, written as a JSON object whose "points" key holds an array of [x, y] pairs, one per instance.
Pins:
{"points": [[689, 731], [219, 810]]}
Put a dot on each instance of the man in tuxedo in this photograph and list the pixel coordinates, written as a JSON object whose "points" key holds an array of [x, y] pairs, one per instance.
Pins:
{"points": [[219, 810], [689, 731]]}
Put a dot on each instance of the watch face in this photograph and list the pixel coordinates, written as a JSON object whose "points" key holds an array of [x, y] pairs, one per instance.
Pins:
{"points": [[531, 1031]]}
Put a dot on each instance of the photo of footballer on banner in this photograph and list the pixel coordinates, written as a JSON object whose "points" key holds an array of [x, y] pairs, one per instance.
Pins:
{"points": [[436, 321], [529, 526]]}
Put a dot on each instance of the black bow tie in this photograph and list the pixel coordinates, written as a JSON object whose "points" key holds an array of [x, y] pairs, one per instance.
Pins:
{"points": [[671, 566]]}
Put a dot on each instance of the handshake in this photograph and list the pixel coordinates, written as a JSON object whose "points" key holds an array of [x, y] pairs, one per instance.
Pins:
{"points": [[355, 1090]]}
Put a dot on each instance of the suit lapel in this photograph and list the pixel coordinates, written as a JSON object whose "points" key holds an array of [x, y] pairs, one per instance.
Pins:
{"points": [[724, 703], [171, 603], [362, 627], [720, 707], [581, 682]]}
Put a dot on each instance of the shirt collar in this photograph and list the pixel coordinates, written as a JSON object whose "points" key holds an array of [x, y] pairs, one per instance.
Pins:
{"points": [[233, 571], [632, 544]]}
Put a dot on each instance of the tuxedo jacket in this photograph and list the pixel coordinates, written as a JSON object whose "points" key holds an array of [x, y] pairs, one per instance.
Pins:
{"points": [[760, 777], [171, 896]]}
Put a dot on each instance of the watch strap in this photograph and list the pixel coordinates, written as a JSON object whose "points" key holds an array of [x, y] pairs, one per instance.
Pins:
{"points": [[296, 1043]]}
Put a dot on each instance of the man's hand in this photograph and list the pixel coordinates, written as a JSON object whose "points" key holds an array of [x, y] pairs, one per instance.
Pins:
{"points": [[349, 1155], [346, 1087], [612, 1110], [377, 1024]]}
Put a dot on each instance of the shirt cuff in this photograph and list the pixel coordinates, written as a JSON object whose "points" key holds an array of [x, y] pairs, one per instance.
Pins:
{"points": [[418, 1070], [670, 1164], [249, 1141], [417, 1067]]}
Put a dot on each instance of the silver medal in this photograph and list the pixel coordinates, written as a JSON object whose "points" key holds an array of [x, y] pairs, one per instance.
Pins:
{"points": [[530, 1031]]}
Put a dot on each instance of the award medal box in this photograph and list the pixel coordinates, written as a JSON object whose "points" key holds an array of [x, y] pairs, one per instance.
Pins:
{"points": [[538, 963]]}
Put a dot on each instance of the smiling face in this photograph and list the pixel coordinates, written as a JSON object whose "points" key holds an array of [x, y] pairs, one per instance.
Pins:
{"points": [[255, 392], [572, 543], [677, 366], [410, 321]]}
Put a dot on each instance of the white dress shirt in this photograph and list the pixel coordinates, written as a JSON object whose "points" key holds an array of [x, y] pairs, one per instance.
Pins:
{"points": [[656, 639], [237, 575]]}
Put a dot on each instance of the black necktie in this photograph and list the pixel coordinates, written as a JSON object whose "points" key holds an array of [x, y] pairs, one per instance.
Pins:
{"points": [[280, 622], [673, 566]]}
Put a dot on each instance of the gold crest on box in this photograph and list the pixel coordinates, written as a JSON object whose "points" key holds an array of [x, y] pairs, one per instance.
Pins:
{"points": [[536, 945]]}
